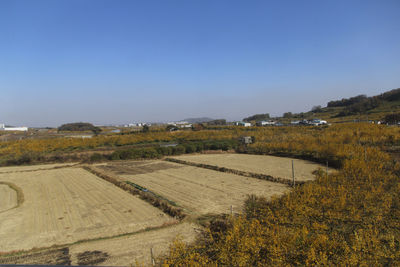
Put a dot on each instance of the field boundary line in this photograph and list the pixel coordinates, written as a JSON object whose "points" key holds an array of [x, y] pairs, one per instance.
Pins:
{"points": [[44, 169], [237, 172], [152, 199], [20, 195]]}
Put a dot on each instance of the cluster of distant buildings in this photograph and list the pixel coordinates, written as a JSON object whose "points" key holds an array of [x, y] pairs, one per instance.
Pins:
{"points": [[3, 127], [177, 124], [137, 124], [315, 122], [258, 123], [185, 124], [181, 124]]}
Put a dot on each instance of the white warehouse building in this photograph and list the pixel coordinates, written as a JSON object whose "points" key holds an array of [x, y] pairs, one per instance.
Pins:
{"points": [[4, 128]]}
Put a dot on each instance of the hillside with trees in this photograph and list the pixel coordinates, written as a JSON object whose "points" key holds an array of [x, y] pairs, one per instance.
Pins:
{"points": [[198, 120], [257, 117], [79, 127], [377, 106], [360, 107], [393, 118], [217, 122]]}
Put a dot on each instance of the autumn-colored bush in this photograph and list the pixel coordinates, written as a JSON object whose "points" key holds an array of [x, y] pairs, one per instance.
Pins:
{"points": [[317, 143], [350, 217], [29, 150]]}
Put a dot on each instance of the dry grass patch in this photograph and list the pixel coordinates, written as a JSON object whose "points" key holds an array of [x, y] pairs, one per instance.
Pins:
{"points": [[66, 205], [278, 167]]}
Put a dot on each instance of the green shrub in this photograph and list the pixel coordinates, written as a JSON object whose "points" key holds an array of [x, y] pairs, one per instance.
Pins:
{"points": [[190, 148], [177, 150], [96, 157]]}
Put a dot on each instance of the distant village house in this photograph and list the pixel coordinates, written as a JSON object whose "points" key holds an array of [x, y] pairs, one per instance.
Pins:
{"points": [[242, 123], [4, 128], [265, 123]]}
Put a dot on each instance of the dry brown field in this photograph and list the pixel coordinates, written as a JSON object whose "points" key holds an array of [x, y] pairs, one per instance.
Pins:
{"points": [[278, 167], [69, 204], [132, 249], [198, 190], [64, 204], [8, 198]]}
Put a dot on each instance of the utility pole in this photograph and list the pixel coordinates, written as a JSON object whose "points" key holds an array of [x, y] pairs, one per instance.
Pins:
{"points": [[153, 262], [327, 166]]}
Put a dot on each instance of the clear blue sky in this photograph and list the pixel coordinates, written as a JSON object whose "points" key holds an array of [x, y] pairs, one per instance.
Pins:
{"points": [[125, 61]]}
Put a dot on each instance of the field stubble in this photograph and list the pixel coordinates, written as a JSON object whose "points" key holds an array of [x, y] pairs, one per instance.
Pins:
{"points": [[278, 167], [66, 205], [199, 190], [8, 197], [135, 248]]}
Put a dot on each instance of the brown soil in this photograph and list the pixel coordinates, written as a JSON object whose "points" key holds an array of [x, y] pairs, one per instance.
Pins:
{"points": [[91, 257], [136, 167]]}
